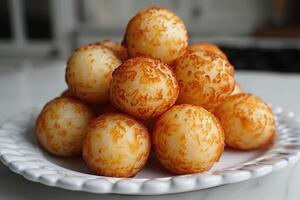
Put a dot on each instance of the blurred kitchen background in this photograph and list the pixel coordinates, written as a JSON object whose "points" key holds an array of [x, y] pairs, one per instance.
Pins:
{"points": [[256, 34]]}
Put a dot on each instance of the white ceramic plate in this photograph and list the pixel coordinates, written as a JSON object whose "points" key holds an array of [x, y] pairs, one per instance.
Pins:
{"points": [[20, 153]]}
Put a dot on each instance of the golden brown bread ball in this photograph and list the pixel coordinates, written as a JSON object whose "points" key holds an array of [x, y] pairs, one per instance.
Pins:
{"points": [[61, 125], [143, 87], [157, 33], [204, 78], [89, 73], [209, 47], [119, 50], [187, 139], [248, 122], [116, 145]]}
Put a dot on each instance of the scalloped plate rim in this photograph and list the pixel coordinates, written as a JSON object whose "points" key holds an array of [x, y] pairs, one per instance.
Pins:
{"points": [[287, 153]]}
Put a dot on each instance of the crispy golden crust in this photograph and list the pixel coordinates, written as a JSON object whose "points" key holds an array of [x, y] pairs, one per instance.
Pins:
{"points": [[61, 125], [89, 72], [157, 33], [248, 122], [143, 87], [187, 139], [204, 78], [209, 47], [116, 145], [119, 50]]}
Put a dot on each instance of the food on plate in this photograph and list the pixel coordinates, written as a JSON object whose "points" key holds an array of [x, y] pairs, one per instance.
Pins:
{"points": [[119, 50], [237, 89], [116, 145], [204, 78], [89, 73], [187, 139], [157, 33], [61, 125], [144, 77], [143, 87], [209, 47], [248, 122]]}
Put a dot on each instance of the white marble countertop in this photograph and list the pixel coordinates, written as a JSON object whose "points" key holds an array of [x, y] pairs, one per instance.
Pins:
{"points": [[29, 85]]}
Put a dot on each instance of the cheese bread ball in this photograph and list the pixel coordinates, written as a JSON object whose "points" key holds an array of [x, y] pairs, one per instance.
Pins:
{"points": [[116, 145], [187, 139], [89, 73], [119, 50], [157, 33], [204, 78], [237, 89], [209, 47], [61, 125], [143, 87], [248, 122]]}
